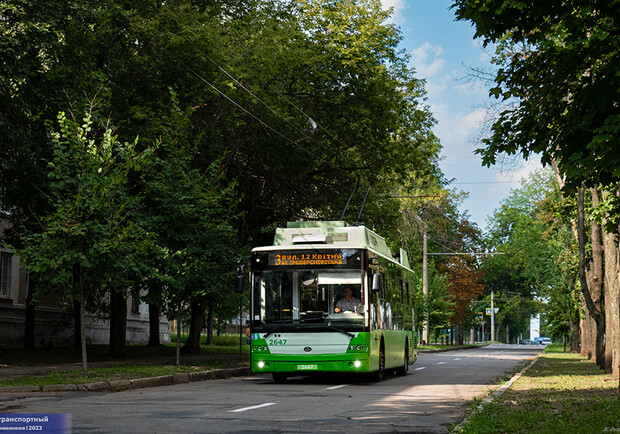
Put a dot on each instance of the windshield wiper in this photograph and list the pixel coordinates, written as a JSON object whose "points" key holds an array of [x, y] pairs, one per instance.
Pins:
{"points": [[280, 322], [336, 329]]}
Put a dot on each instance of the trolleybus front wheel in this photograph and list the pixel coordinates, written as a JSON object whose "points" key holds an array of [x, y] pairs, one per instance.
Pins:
{"points": [[378, 374]]}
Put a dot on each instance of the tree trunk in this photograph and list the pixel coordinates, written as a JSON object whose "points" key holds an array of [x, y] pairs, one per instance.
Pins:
{"points": [[596, 283], [154, 313], [612, 294], [591, 334], [574, 332], [29, 319], [78, 302], [611, 290], [82, 330], [590, 273], [459, 334], [118, 323], [198, 307], [588, 334], [210, 318], [77, 324], [154, 299]]}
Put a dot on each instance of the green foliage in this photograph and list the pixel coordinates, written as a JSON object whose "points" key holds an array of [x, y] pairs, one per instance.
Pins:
{"points": [[437, 306], [277, 109], [558, 63], [88, 241], [190, 212], [537, 263]]}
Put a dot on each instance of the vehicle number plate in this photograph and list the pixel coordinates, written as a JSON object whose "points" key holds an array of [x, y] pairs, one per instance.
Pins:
{"points": [[307, 367]]}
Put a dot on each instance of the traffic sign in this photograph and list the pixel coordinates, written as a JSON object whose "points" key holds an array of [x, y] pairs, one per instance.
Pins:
{"points": [[489, 311]]}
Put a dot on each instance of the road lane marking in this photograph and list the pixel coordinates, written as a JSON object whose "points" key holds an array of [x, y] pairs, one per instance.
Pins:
{"points": [[239, 410], [458, 358], [440, 363], [336, 387], [420, 368]]}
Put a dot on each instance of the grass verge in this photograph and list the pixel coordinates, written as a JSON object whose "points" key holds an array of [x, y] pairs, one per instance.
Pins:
{"points": [[60, 365], [561, 393]]}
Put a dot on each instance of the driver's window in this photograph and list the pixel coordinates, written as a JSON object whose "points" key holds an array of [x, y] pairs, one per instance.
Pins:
{"points": [[348, 298]]}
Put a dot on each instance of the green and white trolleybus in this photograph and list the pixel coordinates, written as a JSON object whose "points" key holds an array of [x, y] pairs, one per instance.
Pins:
{"points": [[329, 297]]}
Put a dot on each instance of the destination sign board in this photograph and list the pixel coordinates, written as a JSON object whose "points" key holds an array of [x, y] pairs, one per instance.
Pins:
{"points": [[289, 259]]}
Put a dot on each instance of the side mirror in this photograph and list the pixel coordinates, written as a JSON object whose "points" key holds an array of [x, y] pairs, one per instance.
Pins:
{"points": [[240, 282], [376, 285]]}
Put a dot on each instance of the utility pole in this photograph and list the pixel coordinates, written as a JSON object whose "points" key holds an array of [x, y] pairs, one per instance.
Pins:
{"points": [[492, 318], [425, 283]]}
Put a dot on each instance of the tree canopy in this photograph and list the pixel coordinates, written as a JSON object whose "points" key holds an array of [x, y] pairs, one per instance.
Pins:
{"points": [[558, 60]]}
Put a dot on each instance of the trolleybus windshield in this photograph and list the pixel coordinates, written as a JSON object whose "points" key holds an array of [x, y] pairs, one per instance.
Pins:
{"points": [[309, 300]]}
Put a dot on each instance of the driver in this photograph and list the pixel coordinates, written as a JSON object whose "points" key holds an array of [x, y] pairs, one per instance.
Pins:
{"points": [[348, 302]]}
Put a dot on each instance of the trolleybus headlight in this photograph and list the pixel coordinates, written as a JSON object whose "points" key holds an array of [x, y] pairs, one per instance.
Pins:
{"points": [[261, 365], [358, 348], [357, 363]]}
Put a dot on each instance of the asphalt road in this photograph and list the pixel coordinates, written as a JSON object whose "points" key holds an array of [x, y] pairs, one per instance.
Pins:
{"points": [[432, 398]]}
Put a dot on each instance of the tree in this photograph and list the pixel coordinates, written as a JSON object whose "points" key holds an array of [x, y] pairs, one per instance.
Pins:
{"points": [[295, 101], [564, 80], [189, 211], [463, 274], [437, 306], [538, 263], [565, 84], [87, 246]]}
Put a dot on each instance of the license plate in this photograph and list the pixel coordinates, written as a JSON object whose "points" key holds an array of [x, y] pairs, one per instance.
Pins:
{"points": [[307, 367]]}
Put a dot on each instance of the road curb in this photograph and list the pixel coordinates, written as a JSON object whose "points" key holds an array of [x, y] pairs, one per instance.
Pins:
{"points": [[499, 392], [443, 350], [138, 383]]}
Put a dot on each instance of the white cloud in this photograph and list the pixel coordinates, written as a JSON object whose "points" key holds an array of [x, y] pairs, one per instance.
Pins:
{"points": [[426, 59], [518, 169], [398, 16], [457, 130], [429, 64]]}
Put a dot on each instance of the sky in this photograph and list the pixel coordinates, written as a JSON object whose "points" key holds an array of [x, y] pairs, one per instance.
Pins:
{"points": [[441, 48]]}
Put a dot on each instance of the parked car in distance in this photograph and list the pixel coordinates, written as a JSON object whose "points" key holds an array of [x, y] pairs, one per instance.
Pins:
{"points": [[542, 340], [526, 342]]}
